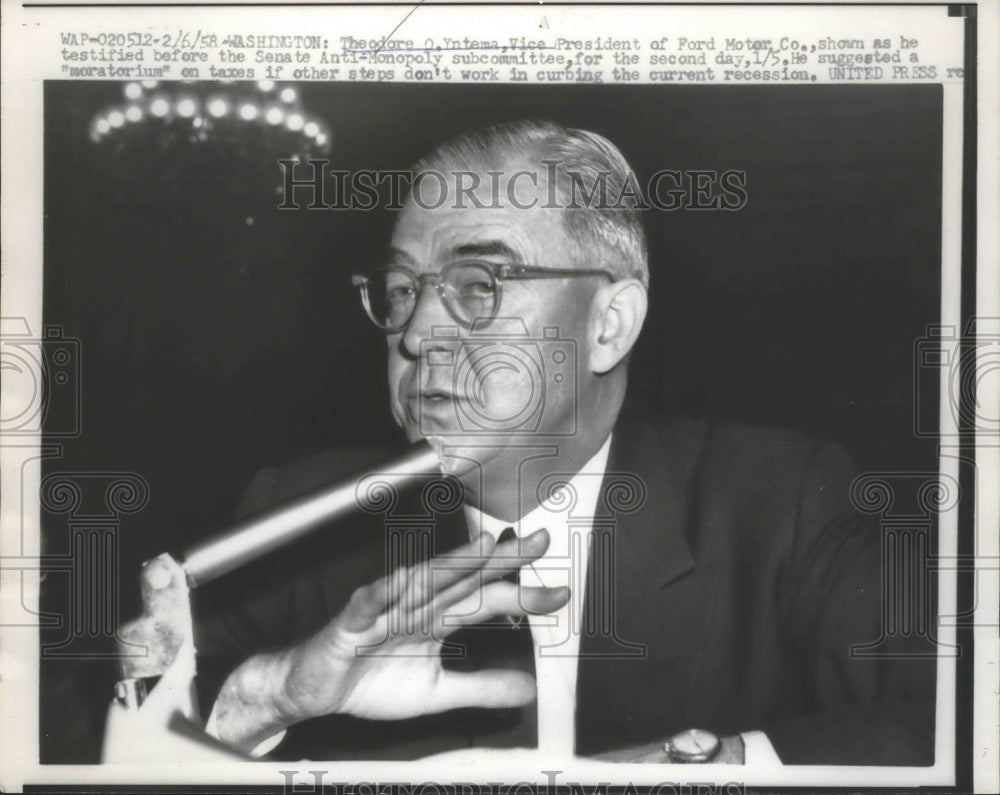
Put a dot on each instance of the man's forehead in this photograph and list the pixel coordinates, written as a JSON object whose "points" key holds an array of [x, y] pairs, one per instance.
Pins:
{"points": [[507, 216], [458, 237], [512, 180]]}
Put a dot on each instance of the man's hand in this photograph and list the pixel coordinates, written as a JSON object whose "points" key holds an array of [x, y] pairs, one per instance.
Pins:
{"points": [[381, 656]]}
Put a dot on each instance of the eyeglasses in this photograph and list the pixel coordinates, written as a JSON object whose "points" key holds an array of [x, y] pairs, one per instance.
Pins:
{"points": [[470, 290]]}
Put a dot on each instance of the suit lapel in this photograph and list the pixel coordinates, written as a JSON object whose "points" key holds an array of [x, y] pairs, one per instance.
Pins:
{"points": [[643, 576]]}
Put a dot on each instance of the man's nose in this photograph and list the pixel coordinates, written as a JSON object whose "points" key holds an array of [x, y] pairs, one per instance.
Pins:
{"points": [[429, 312]]}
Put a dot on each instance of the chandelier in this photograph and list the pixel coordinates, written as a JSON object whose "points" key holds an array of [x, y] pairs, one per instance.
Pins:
{"points": [[228, 113]]}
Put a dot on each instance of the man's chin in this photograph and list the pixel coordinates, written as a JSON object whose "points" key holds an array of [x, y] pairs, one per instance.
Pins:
{"points": [[465, 450]]}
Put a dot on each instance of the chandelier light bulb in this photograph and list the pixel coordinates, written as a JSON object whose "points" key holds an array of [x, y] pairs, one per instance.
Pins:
{"points": [[186, 107]]}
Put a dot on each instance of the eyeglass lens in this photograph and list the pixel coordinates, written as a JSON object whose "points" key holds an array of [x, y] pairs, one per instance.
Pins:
{"points": [[468, 288]]}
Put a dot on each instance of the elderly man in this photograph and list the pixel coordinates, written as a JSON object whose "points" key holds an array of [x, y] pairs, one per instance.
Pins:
{"points": [[673, 574]]}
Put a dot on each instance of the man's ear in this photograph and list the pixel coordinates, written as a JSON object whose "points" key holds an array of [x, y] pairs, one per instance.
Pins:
{"points": [[617, 313]]}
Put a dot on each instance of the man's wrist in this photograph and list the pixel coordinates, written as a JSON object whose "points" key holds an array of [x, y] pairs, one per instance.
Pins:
{"points": [[295, 682], [253, 704]]}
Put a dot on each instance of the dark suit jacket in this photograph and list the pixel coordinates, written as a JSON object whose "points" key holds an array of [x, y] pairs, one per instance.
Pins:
{"points": [[735, 586]]}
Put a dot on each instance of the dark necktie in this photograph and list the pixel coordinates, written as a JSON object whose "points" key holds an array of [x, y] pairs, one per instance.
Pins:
{"points": [[501, 642], [507, 534], [514, 577]]}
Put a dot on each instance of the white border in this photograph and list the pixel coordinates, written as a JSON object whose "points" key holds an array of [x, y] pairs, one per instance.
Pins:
{"points": [[19, 475]]}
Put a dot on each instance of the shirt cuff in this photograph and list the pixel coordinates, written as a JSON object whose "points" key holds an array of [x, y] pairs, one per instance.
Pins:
{"points": [[259, 750], [758, 750]]}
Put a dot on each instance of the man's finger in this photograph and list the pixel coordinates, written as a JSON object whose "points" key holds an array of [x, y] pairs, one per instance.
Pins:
{"points": [[539, 601], [453, 577], [414, 585], [459, 573], [368, 602], [499, 599], [495, 688], [444, 571], [504, 561], [527, 549]]}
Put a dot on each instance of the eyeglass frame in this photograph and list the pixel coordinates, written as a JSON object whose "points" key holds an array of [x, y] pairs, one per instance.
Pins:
{"points": [[498, 273]]}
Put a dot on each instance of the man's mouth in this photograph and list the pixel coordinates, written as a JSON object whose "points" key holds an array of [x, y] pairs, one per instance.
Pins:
{"points": [[433, 396], [431, 408]]}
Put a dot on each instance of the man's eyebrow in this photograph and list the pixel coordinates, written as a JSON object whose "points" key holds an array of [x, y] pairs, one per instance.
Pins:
{"points": [[397, 255], [485, 248]]}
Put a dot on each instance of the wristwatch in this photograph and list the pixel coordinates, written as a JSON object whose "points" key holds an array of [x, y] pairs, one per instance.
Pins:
{"points": [[693, 745]]}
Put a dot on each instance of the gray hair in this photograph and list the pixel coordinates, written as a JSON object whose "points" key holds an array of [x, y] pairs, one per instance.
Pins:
{"points": [[586, 165]]}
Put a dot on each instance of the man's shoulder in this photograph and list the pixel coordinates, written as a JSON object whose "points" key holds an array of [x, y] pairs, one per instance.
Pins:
{"points": [[766, 448], [725, 441], [737, 462]]}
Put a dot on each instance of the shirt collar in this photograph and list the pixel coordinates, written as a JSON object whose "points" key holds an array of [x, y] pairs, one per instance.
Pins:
{"points": [[583, 484]]}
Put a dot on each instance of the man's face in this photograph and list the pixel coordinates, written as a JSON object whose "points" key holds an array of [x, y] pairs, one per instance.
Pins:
{"points": [[518, 378]]}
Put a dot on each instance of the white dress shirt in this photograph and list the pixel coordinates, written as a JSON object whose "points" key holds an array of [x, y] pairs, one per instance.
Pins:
{"points": [[567, 515]]}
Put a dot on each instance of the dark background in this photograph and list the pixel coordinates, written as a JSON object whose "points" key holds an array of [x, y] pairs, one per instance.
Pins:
{"points": [[211, 347]]}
